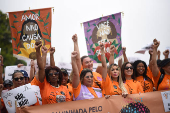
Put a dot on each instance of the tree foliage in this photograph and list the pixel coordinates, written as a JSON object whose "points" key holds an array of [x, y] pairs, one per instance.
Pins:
{"points": [[6, 42]]}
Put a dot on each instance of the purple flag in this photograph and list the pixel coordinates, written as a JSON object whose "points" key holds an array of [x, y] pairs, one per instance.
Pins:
{"points": [[105, 30]]}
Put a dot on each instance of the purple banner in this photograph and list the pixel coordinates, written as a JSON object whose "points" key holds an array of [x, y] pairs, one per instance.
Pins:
{"points": [[105, 30]]}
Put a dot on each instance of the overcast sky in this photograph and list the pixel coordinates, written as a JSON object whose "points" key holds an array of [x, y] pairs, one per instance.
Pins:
{"points": [[143, 21]]}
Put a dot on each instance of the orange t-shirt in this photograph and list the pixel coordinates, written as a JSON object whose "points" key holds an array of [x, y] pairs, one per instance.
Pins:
{"points": [[146, 84], [76, 91], [112, 88], [134, 86], [96, 79], [165, 84], [149, 74], [70, 89], [51, 94]]}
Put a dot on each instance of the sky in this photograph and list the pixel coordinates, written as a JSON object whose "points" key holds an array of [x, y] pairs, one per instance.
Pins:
{"points": [[143, 21]]}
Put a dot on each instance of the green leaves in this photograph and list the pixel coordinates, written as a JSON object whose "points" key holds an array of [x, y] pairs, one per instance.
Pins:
{"points": [[118, 34], [86, 39], [25, 11], [89, 52], [88, 30], [91, 46], [15, 49], [13, 26], [46, 23], [39, 12], [93, 49], [90, 37], [15, 21], [88, 24], [14, 38], [94, 24], [113, 16], [119, 49], [45, 33], [91, 56], [119, 20], [19, 52], [96, 44], [48, 15], [17, 44], [15, 16], [108, 18], [47, 40], [41, 20], [100, 18], [19, 31], [32, 12]]}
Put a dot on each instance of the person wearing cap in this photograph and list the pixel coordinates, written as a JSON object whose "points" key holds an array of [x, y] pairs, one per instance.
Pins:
{"points": [[25, 76], [162, 76], [8, 84]]}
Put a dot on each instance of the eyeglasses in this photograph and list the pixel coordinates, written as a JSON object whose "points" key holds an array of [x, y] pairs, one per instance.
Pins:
{"points": [[51, 74], [128, 67], [21, 78], [89, 76]]}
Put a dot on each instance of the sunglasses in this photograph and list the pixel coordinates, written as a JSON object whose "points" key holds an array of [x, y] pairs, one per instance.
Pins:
{"points": [[89, 76], [128, 67], [21, 78], [51, 74]]}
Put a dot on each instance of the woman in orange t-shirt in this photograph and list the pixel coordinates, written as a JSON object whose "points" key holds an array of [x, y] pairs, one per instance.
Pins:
{"points": [[129, 79], [49, 79], [163, 73], [112, 82], [140, 71]]}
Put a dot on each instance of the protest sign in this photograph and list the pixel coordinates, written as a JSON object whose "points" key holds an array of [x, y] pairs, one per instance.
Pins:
{"points": [[106, 30], [27, 27]]}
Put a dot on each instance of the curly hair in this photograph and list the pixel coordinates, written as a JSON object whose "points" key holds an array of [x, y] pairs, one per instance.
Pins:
{"points": [[47, 70]]}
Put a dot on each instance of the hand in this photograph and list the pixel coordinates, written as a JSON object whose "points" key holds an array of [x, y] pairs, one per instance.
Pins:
{"points": [[74, 38], [1, 87], [112, 49], [124, 95], [124, 49], [38, 44], [102, 47], [32, 63], [74, 54], [156, 43], [52, 50], [107, 96], [44, 49], [19, 65], [166, 52], [151, 51]]}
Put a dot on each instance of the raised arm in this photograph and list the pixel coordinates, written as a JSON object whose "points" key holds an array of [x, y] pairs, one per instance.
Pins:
{"points": [[111, 59], [32, 70], [159, 54], [155, 69], [44, 55], [103, 60], [76, 78], [41, 72], [1, 88], [124, 54], [52, 62], [150, 59], [76, 48], [166, 53], [1, 69]]}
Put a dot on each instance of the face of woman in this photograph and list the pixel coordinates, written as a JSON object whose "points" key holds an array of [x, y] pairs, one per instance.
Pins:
{"points": [[53, 76], [114, 71], [167, 69], [88, 79], [18, 80], [140, 68], [65, 79], [128, 71]]}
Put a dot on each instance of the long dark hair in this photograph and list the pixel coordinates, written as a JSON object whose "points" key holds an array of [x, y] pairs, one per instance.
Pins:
{"points": [[47, 70], [144, 74], [83, 73], [123, 74]]}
